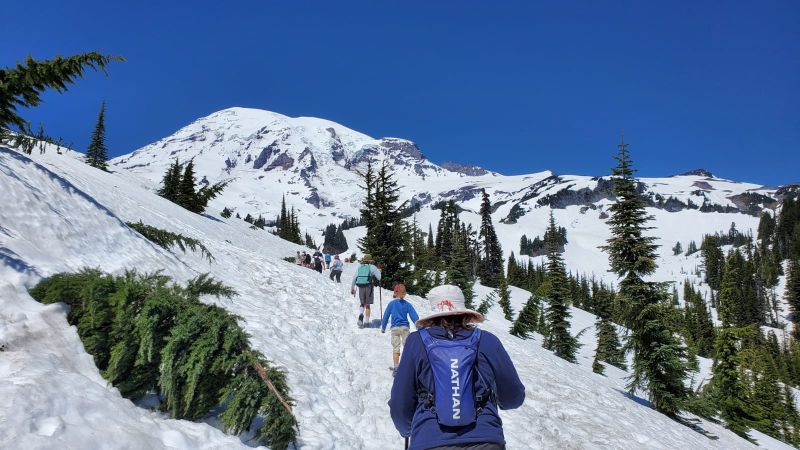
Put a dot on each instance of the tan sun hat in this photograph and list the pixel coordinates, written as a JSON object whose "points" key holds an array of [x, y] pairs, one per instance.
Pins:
{"points": [[447, 300], [366, 259]]}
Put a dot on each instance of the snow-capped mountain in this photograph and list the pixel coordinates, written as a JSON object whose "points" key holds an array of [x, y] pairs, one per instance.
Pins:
{"points": [[315, 164]]}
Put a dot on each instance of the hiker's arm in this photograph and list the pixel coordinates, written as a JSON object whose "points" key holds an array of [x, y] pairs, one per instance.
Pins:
{"points": [[376, 272], [403, 401], [386, 315], [353, 284], [509, 389], [413, 314]]}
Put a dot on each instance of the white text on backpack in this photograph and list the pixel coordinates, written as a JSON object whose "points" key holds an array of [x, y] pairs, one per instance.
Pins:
{"points": [[456, 389]]}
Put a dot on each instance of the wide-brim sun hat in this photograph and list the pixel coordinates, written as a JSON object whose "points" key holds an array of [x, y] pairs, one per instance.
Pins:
{"points": [[366, 259], [447, 300]]}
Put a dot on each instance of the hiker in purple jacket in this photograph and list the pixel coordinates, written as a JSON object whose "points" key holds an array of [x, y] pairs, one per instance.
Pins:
{"points": [[495, 384]]}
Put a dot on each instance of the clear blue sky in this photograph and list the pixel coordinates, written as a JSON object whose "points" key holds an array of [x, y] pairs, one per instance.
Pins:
{"points": [[513, 86]]}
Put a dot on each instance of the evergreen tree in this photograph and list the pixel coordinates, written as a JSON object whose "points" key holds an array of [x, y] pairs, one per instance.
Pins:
{"points": [[423, 263], [226, 213], [170, 184], [559, 339], [792, 295], [491, 268], [658, 365], [714, 262], [528, 320], [21, 88], [698, 326], [728, 392], [505, 299], [609, 349], [677, 249], [387, 239], [187, 195], [692, 248], [459, 270], [97, 154]]}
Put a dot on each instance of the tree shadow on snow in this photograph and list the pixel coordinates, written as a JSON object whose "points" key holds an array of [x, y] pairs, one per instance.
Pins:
{"points": [[690, 422], [12, 260]]}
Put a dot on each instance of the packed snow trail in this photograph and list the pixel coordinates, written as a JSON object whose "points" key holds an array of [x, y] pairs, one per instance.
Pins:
{"points": [[63, 215]]}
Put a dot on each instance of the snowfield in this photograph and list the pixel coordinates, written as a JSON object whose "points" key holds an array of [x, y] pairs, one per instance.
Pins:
{"points": [[58, 214]]}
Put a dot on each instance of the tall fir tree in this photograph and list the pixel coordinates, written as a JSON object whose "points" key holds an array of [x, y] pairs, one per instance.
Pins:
{"points": [[792, 295], [387, 239], [187, 194], [97, 153], [609, 348], [170, 184], [528, 319], [557, 314], [505, 299], [491, 263], [728, 392], [714, 263], [658, 356]]}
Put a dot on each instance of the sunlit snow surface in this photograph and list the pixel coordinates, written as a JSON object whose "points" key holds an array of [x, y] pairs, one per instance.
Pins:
{"points": [[57, 214]]}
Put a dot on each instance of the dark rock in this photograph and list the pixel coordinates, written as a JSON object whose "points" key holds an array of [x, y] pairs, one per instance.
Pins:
{"points": [[470, 170], [282, 161], [697, 173], [265, 154]]}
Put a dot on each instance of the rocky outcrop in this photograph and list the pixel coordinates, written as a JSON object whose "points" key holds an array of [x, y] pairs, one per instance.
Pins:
{"points": [[697, 173], [465, 169]]}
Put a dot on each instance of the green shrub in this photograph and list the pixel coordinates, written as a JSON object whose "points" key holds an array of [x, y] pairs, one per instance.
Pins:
{"points": [[146, 333]]}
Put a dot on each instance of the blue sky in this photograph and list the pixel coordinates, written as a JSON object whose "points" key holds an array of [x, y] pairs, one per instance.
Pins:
{"points": [[516, 87]]}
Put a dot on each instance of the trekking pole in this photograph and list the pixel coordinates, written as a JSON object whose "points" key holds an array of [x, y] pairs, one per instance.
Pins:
{"points": [[380, 299], [406, 444]]}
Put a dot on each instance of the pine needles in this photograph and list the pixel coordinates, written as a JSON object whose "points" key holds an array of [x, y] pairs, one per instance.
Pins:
{"points": [[167, 239], [146, 333]]}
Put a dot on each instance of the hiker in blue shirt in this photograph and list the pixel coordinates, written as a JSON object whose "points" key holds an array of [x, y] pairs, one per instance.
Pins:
{"points": [[365, 276], [400, 311], [327, 260], [466, 411]]}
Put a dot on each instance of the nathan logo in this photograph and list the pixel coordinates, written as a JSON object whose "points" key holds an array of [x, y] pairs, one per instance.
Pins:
{"points": [[444, 306], [455, 385]]}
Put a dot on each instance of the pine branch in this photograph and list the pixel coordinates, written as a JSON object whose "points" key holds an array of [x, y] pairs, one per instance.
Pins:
{"points": [[166, 239]]}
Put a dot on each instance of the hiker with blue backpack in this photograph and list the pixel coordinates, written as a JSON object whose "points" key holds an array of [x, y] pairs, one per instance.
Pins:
{"points": [[399, 310], [452, 380], [366, 275]]}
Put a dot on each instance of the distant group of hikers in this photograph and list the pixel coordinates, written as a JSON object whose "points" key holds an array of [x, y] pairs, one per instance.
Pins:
{"points": [[321, 261], [452, 377]]}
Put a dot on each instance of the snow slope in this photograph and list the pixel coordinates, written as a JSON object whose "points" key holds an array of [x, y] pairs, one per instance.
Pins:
{"points": [[57, 214]]}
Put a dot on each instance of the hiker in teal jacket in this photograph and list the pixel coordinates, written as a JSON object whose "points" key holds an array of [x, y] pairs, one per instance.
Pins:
{"points": [[365, 276], [400, 311]]}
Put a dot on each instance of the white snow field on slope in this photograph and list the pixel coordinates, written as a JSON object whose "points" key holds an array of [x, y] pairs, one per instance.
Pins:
{"points": [[58, 214]]}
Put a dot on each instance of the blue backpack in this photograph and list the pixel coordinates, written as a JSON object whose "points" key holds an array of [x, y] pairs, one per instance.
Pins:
{"points": [[453, 365], [364, 275]]}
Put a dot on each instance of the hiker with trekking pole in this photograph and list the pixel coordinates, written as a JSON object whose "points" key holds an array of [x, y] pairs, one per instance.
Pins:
{"points": [[365, 278], [452, 379]]}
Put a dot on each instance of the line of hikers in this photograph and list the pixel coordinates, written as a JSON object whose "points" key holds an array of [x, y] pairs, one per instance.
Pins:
{"points": [[452, 377], [321, 261]]}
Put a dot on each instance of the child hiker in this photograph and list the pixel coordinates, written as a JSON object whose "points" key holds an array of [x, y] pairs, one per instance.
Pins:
{"points": [[400, 311]]}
